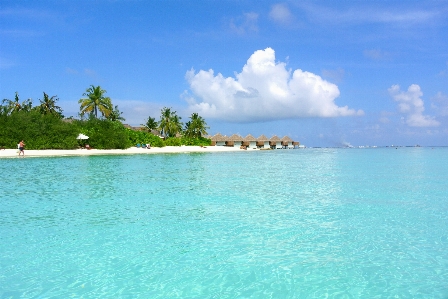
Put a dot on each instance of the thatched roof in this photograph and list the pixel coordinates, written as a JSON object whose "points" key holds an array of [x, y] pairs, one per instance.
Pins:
{"points": [[235, 137], [286, 138], [274, 138], [218, 137], [250, 138], [262, 138]]}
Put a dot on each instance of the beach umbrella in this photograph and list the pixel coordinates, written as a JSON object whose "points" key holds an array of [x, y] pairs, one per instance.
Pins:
{"points": [[82, 136]]}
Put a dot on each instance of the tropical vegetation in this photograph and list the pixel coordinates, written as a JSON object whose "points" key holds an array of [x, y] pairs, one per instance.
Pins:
{"points": [[169, 124], [196, 127], [45, 127], [95, 101], [48, 106], [150, 124]]}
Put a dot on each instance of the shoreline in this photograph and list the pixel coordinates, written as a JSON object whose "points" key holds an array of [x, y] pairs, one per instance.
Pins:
{"points": [[11, 153]]}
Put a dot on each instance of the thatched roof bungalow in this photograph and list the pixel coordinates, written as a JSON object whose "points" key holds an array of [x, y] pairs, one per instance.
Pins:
{"points": [[262, 142], [250, 141], [218, 139], [287, 142], [275, 142], [234, 140]]}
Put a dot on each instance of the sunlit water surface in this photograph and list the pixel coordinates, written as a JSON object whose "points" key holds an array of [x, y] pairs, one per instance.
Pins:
{"points": [[313, 223]]}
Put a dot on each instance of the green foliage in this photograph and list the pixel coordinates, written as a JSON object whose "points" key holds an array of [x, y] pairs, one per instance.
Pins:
{"points": [[48, 106], [115, 115], [178, 141], [42, 127], [196, 126], [39, 131], [170, 124], [150, 124], [11, 106], [196, 141], [173, 141], [96, 101], [143, 137], [104, 133]]}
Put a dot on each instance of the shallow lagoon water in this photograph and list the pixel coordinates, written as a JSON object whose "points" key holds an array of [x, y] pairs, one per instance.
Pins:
{"points": [[313, 223]]}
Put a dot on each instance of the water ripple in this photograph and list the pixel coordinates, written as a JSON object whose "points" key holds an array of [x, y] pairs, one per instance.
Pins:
{"points": [[324, 223]]}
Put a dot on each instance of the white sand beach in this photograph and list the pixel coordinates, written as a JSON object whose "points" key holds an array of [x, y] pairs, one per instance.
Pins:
{"points": [[11, 153]]}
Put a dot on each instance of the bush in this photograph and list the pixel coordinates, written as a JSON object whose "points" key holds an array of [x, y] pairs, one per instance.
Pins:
{"points": [[41, 131], [178, 141], [196, 141], [104, 134], [37, 130], [173, 141], [143, 137]]}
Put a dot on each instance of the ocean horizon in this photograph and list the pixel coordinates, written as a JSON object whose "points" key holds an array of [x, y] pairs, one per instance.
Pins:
{"points": [[310, 223]]}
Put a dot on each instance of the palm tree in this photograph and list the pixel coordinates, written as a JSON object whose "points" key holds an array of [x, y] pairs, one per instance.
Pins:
{"points": [[165, 120], [48, 105], [169, 124], [14, 106], [3, 110], [176, 124], [196, 127], [95, 101], [150, 124], [115, 115]]}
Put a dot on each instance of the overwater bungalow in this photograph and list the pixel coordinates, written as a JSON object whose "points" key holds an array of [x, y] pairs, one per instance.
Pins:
{"points": [[250, 141], [234, 140], [287, 142], [262, 142], [275, 142]]}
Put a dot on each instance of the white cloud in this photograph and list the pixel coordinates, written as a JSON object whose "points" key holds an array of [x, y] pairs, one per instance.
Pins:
{"points": [[90, 72], [406, 16], [411, 105], [244, 24], [335, 75], [280, 13], [376, 54], [440, 103], [71, 71], [264, 90], [385, 117], [444, 72]]}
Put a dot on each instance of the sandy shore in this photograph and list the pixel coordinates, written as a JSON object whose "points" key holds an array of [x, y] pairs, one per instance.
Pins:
{"points": [[11, 153]]}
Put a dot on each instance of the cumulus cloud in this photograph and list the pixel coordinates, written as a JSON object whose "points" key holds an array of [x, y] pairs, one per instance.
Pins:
{"points": [[280, 14], [264, 90], [411, 106]]}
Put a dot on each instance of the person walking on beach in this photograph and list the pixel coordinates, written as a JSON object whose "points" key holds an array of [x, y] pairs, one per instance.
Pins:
{"points": [[21, 148]]}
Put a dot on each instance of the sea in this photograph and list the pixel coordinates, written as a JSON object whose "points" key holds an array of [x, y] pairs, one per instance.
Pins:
{"points": [[302, 223]]}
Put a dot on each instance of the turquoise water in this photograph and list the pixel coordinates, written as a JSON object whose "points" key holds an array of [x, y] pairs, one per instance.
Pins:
{"points": [[313, 223]]}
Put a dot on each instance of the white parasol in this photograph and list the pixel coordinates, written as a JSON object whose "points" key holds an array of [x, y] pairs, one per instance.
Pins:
{"points": [[82, 136]]}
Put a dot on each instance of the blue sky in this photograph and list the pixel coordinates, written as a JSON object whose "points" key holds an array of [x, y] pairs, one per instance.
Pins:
{"points": [[325, 73]]}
